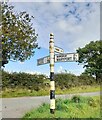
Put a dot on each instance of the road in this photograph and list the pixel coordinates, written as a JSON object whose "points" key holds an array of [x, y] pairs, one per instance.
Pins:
{"points": [[17, 107]]}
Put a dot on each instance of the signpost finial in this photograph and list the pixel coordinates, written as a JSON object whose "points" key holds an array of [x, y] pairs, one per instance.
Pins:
{"points": [[51, 34]]}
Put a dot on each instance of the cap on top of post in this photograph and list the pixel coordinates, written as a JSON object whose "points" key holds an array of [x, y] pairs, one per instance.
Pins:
{"points": [[51, 34]]}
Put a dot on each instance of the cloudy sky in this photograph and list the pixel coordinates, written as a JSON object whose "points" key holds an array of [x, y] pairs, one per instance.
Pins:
{"points": [[74, 25]]}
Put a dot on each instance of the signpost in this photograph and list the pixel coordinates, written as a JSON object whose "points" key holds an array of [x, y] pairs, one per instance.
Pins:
{"points": [[52, 82], [53, 58]]}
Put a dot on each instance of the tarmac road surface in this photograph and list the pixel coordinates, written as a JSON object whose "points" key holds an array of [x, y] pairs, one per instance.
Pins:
{"points": [[17, 107]]}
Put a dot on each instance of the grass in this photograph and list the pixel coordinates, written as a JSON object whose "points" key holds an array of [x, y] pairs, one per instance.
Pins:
{"points": [[76, 107], [20, 92], [81, 89]]}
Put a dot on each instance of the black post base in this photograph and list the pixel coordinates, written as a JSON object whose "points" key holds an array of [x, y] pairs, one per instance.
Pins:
{"points": [[52, 111]]}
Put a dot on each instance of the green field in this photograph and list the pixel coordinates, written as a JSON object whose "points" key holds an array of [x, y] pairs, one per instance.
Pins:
{"points": [[20, 92], [76, 107]]}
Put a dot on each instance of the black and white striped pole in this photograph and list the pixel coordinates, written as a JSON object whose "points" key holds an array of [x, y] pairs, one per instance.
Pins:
{"points": [[52, 82], [63, 57]]}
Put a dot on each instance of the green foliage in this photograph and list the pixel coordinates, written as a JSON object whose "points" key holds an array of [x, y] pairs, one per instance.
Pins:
{"points": [[23, 80], [18, 35], [86, 79], [80, 99], [91, 56], [43, 108], [67, 108], [20, 91], [61, 105], [41, 82], [5, 79], [76, 99], [24, 84], [65, 80]]}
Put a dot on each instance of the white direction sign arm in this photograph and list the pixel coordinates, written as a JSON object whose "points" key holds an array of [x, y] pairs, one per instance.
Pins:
{"points": [[67, 57], [58, 49], [43, 60]]}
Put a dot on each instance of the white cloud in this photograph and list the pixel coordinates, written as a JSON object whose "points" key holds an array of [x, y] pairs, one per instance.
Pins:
{"points": [[33, 72], [36, 72], [60, 70], [73, 24], [27, 71], [21, 62], [68, 27]]}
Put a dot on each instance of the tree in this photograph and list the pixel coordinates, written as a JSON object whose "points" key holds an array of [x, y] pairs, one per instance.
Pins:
{"points": [[91, 56], [18, 35]]}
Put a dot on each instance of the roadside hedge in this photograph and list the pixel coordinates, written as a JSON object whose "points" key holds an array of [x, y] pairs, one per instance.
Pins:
{"points": [[38, 82], [23, 80], [66, 80]]}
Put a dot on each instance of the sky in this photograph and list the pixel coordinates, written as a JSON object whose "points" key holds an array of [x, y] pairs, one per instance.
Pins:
{"points": [[73, 23]]}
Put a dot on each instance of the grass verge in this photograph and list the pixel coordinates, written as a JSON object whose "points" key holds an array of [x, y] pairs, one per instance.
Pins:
{"points": [[20, 92], [76, 107]]}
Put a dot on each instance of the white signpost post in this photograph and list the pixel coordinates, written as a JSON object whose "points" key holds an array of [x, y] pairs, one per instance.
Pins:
{"points": [[53, 58]]}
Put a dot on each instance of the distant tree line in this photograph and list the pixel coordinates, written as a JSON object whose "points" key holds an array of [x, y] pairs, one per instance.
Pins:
{"points": [[38, 82]]}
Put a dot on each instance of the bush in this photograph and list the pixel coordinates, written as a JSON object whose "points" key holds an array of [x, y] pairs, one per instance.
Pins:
{"points": [[65, 80], [23, 80], [38, 82], [5, 79], [86, 80], [76, 99], [61, 105]]}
